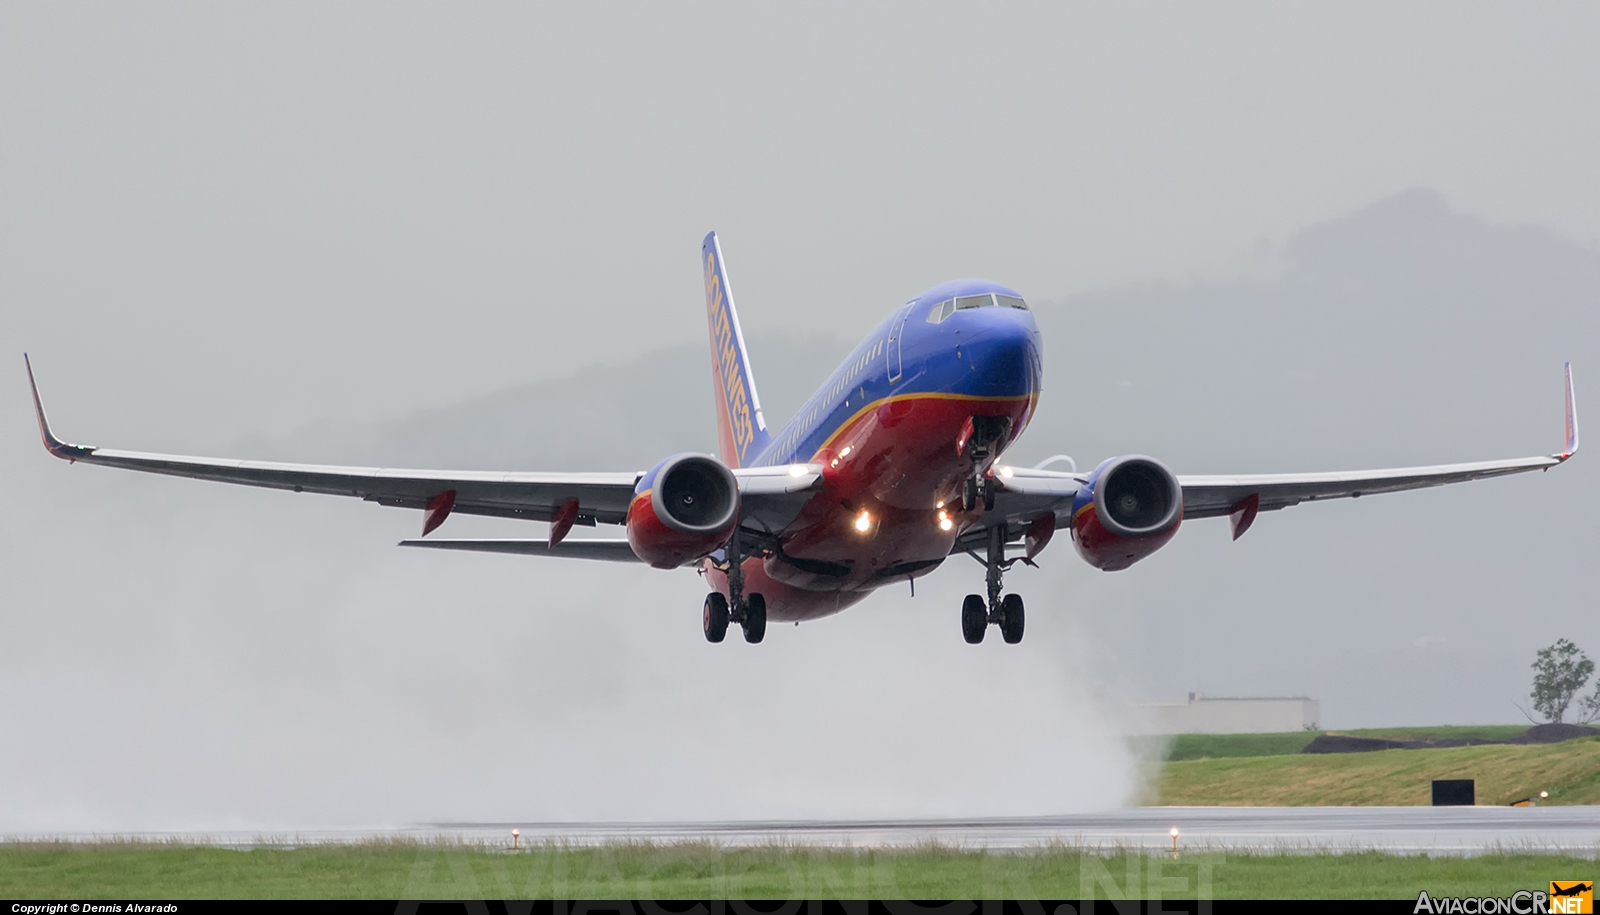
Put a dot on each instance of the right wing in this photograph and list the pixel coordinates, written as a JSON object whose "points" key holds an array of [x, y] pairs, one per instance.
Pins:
{"points": [[1028, 495], [770, 496]]}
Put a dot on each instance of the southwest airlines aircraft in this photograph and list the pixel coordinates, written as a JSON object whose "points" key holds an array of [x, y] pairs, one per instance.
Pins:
{"points": [[888, 470]]}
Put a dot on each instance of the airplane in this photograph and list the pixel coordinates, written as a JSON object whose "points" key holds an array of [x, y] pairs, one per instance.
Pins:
{"points": [[889, 469]]}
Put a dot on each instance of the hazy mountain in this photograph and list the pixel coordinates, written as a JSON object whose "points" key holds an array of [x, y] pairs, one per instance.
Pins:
{"points": [[613, 417]]}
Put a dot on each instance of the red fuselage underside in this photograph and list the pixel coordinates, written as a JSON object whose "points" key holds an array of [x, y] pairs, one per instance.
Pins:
{"points": [[896, 462]]}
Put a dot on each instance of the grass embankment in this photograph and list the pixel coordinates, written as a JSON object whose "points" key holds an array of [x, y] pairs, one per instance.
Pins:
{"points": [[413, 871], [1224, 746], [1267, 770]]}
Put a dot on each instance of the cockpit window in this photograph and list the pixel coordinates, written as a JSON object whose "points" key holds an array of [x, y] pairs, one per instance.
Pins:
{"points": [[973, 301], [945, 309]]}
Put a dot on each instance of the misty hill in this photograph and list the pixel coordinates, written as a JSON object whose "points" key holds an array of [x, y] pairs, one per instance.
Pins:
{"points": [[609, 417], [1403, 332]]}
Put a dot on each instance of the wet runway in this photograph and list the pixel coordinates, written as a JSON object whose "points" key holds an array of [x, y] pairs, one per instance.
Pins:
{"points": [[1437, 830], [1445, 830]]}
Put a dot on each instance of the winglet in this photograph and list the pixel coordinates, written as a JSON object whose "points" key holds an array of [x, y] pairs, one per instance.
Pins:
{"points": [[51, 444], [1572, 419]]}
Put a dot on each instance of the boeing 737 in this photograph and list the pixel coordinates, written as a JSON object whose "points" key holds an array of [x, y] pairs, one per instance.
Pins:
{"points": [[889, 469]]}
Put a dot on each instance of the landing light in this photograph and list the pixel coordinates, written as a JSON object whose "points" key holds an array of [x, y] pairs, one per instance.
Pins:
{"points": [[1005, 472], [845, 451], [863, 522], [797, 470]]}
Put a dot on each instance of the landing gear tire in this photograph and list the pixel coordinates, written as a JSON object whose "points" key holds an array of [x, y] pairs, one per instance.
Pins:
{"points": [[715, 618], [974, 619], [988, 496], [755, 618], [1011, 618], [969, 495]]}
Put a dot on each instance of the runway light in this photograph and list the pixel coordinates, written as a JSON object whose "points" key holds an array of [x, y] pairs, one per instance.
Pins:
{"points": [[863, 522], [1174, 840], [516, 834]]}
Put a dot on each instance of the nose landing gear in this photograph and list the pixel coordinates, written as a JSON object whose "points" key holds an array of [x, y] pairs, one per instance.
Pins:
{"points": [[978, 489]]}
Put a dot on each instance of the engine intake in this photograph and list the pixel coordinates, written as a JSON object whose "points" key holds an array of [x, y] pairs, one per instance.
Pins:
{"points": [[1136, 496], [683, 509], [1129, 508]]}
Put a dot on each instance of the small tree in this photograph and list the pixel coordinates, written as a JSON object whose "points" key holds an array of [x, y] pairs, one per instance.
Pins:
{"points": [[1559, 672]]}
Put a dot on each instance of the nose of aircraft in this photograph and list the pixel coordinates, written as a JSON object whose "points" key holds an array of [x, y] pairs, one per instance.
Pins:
{"points": [[1003, 344]]}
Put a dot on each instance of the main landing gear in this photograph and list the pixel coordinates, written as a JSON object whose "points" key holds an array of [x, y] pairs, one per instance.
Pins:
{"points": [[750, 612], [718, 614], [1005, 612]]}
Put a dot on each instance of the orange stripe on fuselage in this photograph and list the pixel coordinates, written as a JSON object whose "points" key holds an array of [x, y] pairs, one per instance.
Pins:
{"points": [[845, 426]]}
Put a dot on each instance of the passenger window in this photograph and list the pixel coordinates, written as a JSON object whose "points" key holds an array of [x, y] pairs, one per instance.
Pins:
{"points": [[941, 311], [1011, 301], [974, 301]]}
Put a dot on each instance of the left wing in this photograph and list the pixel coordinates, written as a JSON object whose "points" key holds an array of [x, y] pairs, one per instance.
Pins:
{"points": [[1025, 496], [576, 548], [769, 497]]}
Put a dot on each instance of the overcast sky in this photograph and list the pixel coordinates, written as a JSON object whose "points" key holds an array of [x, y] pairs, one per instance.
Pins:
{"points": [[219, 222], [253, 216]]}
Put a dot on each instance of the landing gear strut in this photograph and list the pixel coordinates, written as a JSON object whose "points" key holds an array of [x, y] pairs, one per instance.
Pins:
{"points": [[1005, 612], [750, 612]]}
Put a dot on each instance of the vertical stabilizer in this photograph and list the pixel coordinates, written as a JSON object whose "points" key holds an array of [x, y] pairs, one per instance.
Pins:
{"points": [[741, 429]]}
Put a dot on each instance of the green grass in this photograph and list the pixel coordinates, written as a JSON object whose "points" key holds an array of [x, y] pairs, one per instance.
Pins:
{"points": [[1231, 746], [1181, 747], [1570, 771], [407, 870]]}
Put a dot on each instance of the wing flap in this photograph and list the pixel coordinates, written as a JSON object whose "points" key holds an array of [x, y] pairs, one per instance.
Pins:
{"points": [[605, 550]]}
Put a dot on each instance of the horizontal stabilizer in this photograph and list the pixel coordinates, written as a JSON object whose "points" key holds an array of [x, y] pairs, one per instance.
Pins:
{"points": [[608, 550]]}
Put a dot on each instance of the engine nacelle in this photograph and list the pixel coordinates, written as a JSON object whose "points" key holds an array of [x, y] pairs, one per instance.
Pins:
{"points": [[683, 510], [1130, 507]]}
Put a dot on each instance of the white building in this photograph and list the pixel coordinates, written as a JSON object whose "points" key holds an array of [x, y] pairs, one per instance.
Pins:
{"points": [[1202, 714]]}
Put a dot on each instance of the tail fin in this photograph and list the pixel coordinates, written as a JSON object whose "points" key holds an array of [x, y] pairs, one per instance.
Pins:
{"points": [[741, 429]]}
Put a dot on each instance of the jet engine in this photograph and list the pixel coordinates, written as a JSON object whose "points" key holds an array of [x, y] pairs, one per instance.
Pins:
{"points": [[1129, 508], [683, 509]]}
